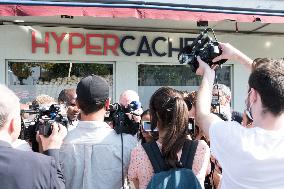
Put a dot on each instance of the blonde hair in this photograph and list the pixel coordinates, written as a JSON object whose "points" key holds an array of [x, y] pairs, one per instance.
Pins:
{"points": [[43, 99]]}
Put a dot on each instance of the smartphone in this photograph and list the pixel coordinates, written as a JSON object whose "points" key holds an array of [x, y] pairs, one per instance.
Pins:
{"points": [[191, 126], [147, 126]]}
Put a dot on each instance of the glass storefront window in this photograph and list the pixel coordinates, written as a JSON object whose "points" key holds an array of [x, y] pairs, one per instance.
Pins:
{"points": [[30, 79], [166, 75], [180, 77]]}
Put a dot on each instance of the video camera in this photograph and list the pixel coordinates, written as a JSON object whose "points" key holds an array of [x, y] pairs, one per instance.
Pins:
{"points": [[202, 46], [44, 118], [121, 122]]}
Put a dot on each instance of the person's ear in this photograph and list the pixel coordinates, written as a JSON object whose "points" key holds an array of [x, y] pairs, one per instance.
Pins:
{"points": [[14, 129], [228, 99], [254, 94], [107, 103], [11, 126]]}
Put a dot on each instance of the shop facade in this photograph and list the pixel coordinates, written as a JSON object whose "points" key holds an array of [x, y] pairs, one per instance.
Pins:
{"points": [[44, 60]]}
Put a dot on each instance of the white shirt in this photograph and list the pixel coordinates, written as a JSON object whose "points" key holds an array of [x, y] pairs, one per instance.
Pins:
{"points": [[21, 145], [91, 156], [250, 158]]}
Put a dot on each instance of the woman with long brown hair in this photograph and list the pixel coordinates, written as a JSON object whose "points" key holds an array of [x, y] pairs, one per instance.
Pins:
{"points": [[169, 113]]}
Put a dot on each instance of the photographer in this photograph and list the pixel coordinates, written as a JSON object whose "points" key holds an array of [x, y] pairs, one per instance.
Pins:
{"points": [[145, 135], [214, 173], [125, 99], [221, 103], [257, 153], [91, 153], [20, 169]]}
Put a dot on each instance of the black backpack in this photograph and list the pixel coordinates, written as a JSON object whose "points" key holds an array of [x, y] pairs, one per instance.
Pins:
{"points": [[179, 178]]}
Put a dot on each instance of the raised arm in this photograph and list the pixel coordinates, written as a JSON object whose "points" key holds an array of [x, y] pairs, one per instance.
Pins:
{"points": [[231, 53], [204, 117]]}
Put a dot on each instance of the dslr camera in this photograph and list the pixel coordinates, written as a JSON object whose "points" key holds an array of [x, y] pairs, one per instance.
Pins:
{"points": [[203, 46], [121, 122]]}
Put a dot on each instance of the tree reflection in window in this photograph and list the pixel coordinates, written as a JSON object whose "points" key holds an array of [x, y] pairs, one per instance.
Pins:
{"points": [[29, 73], [166, 75], [176, 75]]}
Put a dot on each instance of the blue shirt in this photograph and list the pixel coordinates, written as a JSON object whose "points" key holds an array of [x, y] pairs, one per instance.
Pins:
{"points": [[91, 156]]}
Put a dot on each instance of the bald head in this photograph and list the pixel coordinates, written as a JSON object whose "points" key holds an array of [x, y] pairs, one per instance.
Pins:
{"points": [[127, 97]]}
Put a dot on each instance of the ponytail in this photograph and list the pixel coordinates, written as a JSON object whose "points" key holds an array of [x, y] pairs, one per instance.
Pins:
{"points": [[168, 107]]}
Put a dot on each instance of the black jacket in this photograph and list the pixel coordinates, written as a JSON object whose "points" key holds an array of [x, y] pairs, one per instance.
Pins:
{"points": [[29, 170]]}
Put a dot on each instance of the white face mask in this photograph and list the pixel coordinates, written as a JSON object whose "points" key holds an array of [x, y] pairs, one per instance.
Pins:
{"points": [[248, 107]]}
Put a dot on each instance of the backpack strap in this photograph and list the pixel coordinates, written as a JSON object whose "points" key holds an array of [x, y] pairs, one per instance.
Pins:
{"points": [[155, 156], [188, 153]]}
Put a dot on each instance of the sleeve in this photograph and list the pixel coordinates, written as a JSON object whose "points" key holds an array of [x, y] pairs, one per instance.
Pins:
{"points": [[201, 161], [57, 179], [133, 166], [131, 144], [224, 136]]}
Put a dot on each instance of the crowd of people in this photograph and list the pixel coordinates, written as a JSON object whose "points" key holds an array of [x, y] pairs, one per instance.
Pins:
{"points": [[195, 139]]}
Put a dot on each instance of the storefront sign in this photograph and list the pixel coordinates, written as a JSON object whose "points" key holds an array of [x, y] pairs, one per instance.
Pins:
{"points": [[106, 44]]}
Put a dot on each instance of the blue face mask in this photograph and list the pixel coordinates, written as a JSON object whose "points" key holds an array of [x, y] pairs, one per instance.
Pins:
{"points": [[248, 108]]}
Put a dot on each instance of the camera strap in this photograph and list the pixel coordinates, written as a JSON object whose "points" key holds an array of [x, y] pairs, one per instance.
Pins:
{"points": [[218, 96]]}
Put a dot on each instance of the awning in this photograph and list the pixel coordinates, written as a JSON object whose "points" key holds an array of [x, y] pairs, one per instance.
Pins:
{"points": [[138, 13]]}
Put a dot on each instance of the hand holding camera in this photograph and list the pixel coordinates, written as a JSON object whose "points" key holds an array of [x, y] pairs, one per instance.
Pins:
{"points": [[204, 67], [134, 117], [204, 47], [125, 119], [54, 141]]}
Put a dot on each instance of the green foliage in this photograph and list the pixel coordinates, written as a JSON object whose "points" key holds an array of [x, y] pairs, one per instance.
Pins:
{"points": [[54, 70], [21, 69], [166, 75]]}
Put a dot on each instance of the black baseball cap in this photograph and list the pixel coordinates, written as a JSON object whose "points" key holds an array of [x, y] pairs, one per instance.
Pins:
{"points": [[92, 89]]}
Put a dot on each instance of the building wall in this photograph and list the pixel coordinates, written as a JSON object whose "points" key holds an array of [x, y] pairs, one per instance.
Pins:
{"points": [[15, 44]]}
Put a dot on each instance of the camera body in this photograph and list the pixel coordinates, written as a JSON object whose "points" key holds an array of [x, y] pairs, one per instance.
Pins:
{"points": [[45, 116], [28, 128], [203, 46], [121, 122]]}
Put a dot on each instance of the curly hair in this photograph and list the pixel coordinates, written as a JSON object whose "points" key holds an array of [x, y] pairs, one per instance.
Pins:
{"points": [[43, 99]]}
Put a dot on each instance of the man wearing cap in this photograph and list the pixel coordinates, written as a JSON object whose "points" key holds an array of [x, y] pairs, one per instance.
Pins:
{"points": [[91, 153]]}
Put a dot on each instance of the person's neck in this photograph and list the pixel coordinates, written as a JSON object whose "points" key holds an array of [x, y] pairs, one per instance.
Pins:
{"points": [[5, 137], [96, 116], [162, 134], [268, 121]]}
